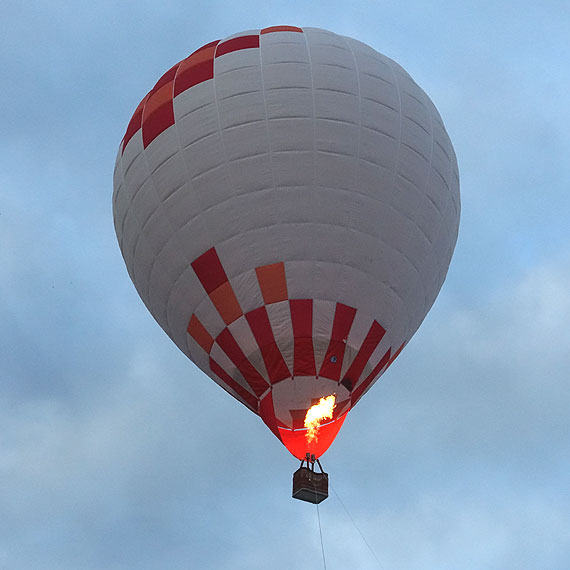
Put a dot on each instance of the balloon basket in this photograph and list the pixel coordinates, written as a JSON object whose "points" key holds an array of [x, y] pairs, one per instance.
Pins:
{"points": [[308, 484]]}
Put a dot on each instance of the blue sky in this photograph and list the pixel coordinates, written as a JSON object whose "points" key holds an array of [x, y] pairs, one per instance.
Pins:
{"points": [[117, 453]]}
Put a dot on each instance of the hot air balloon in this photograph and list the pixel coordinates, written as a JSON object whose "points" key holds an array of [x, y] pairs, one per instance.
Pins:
{"points": [[286, 201]]}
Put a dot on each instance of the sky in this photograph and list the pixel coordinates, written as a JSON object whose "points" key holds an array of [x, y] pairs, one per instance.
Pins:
{"points": [[117, 453]]}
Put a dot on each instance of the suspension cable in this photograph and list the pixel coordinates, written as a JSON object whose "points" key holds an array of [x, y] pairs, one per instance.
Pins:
{"points": [[358, 530], [321, 535]]}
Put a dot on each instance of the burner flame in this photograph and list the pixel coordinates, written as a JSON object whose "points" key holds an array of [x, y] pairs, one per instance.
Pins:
{"points": [[323, 410]]}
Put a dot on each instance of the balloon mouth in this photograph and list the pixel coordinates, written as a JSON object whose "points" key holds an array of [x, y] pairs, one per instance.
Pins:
{"points": [[296, 440], [299, 444], [305, 413]]}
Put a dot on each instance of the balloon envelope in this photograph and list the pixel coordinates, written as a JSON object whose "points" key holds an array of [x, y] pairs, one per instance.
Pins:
{"points": [[287, 204]]}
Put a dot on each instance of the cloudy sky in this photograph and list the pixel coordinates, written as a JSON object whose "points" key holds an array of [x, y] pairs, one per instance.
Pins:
{"points": [[116, 453]]}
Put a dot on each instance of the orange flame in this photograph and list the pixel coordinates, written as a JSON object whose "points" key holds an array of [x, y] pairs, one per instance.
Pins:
{"points": [[316, 414]]}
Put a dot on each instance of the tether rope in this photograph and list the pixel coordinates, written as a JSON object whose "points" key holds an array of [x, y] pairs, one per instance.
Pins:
{"points": [[356, 527], [321, 535]]}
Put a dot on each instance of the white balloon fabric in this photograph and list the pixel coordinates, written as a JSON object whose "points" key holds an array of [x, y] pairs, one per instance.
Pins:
{"points": [[287, 204]]}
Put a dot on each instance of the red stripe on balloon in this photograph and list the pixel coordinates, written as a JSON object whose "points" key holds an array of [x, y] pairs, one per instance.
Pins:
{"points": [[226, 303], [235, 44], [199, 333], [396, 354], [196, 68], [332, 364], [249, 398], [157, 123], [166, 78], [261, 328], [384, 361], [229, 345], [135, 123], [272, 282], [193, 75], [272, 29], [267, 413], [303, 351], [206, 47], [371, 341], [212, 275], [209, 270], [158, 111]]}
